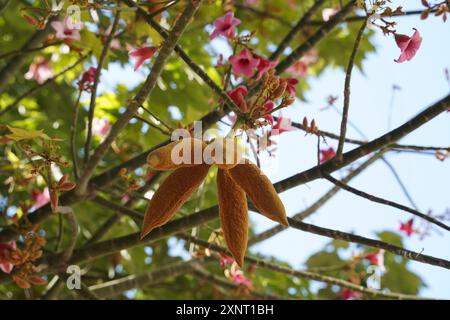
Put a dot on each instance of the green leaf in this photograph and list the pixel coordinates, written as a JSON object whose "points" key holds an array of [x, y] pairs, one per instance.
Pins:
{"points": [[18, 134], [390, 237]]}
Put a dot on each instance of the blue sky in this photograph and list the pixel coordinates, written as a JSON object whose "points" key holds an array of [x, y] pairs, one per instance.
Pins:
{"points": [[422, 82]]}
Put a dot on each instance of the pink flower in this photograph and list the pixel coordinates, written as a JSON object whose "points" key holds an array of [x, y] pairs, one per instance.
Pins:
{"points": [[250, 2], [239, 278], [327, 154], [298, 69], [408, 45], [224, 260], [407, 227], [282, 125], [265, 142], [5, 249], [67, 29], [232, 118], [348, 294], [40, 199], [311, 57], [264, 65], [87, 79], [225, 26], [269, 119], [328, 13], [100, 127], [125, 198], [115, 43], [238, 96], [269, 105], [244, 63], [40, 71], [376, 258], [26, 281], [142, 54], [291, 83]]}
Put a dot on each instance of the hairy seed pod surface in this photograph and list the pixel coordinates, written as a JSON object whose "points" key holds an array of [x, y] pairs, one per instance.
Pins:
{"points": [[182, 153], [226, 153], [233, 215], [260, 190], [171, 195]]}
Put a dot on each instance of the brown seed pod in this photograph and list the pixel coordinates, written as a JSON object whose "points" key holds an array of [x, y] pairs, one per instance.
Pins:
{"points": [[182, 153], [279, 91], [233, 215], [260, 190], [226, 153], [171, 195]]}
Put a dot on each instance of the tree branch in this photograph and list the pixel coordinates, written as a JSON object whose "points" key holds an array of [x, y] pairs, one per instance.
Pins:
{"points": [[302, 273], [348, 77], [142, 95], [335, 234], [16, 62], [394, 146], [115, 287], [38, 87], [135, 215], [315, 38], [73, 135], [316, 205], [227, 285], [186, 223], [101, 61], [393, 204], [296, 29], [303, 177], [185, 57], [374, 145]]}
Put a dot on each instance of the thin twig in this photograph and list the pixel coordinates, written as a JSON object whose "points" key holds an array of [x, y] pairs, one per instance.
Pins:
{"points": [[228, 285], [135, 215], [264, 14], [154, 126], [168, 128], [302, 273], [73, 226], [348, 77], [20, 51], [339, 235], [115, 287], [315, 23], [60, 235], [395, 146], [298, 52], [205, 215], [384, 201], [73, 135], [264, 235], [185, 57], [17, 62], [38, 87], [311, 174], [386, 162], [296, 29], [164, 53], [104, 228], [101, 61], [400, 183], [161, 10]]}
